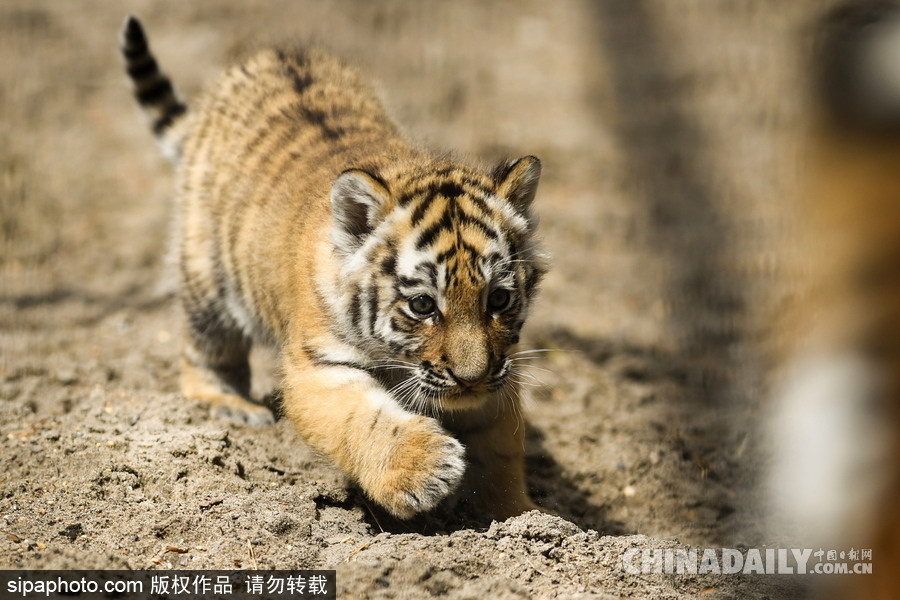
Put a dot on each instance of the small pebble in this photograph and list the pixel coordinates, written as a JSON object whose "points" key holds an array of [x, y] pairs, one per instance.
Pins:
{"points": [[628, 491]]}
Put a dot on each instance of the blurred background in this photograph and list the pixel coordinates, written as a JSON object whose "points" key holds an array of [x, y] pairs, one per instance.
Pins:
{"points": [[675, 137]]}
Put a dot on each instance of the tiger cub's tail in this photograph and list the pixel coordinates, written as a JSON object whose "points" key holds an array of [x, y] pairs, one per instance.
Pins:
{"points": [[153, 89]]}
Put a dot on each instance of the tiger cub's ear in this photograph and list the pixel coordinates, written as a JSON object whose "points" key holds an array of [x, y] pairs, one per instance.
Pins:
{"points": [[517, 181], [358, 202]]}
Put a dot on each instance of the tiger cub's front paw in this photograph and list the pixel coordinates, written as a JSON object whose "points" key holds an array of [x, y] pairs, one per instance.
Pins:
{"points": [[423, 466]]}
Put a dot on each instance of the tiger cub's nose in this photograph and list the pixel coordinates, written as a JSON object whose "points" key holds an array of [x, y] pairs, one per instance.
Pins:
{"points": [[467, 378]]}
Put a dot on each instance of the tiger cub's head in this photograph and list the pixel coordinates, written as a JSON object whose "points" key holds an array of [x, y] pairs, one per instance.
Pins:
{"points": [[439, 264]]}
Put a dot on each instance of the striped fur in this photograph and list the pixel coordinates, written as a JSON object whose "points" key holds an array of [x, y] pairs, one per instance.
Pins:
{"points": [[309, 223], [152, 89]]}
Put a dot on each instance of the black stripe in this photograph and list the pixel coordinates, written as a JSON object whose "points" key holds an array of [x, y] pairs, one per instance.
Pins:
{"points": [[321, 362], [408, 282], [143, 69], [389, 264], [444, 171], [133, 52], [406, 197], [134, 33], [300, 82], [375, 420], [161, 90], [431, 232], [373, 308], [430, 270], [479, 202], [450, 190], [414, 192], [448, 277], [165, 121], [320, 119], [402, 327], [468, 219], [355, 308], [463, 245], [446, 254], [317, 359], [512, 248], [484, 191], [447, 189], [421, 209], [531, 283]]}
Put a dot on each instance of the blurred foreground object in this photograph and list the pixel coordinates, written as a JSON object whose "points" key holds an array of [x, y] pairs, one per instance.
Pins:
{"points": [[857, 79], [837, 431]]}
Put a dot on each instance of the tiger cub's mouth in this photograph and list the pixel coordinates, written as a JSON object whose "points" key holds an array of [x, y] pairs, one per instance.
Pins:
{"points": [[426, 387]]}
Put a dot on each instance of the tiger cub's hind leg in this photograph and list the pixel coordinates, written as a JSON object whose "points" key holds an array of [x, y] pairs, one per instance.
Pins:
{"points": [[215, 369]]}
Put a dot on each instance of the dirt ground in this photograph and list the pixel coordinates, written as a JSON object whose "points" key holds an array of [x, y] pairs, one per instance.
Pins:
{"points": [[668, 133]]}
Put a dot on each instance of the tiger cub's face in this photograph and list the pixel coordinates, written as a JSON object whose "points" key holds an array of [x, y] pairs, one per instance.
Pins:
{"points": [[438, 268]]}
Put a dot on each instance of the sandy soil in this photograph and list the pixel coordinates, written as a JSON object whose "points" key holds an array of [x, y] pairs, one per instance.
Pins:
{"points": [[667, 131]]}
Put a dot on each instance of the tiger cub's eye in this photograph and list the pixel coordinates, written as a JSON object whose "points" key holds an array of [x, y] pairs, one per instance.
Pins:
{"points": [[422, 305], [498, 299]]}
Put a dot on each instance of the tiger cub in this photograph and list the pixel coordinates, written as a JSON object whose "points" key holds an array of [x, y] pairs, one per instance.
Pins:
{"points": [[393, 281]]}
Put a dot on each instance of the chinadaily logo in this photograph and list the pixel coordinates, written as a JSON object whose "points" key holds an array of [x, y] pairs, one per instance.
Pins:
{"points": [[726, 561]]}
